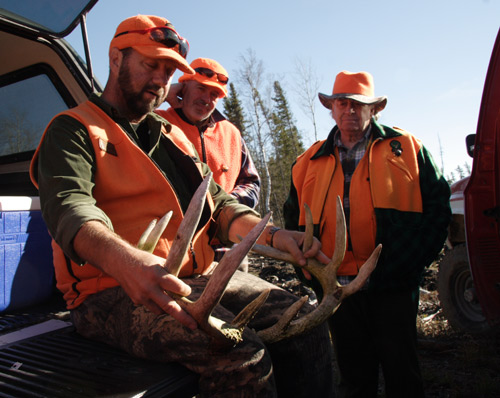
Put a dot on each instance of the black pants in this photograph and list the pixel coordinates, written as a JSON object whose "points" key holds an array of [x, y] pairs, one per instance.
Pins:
{"points": [[377, 329]]}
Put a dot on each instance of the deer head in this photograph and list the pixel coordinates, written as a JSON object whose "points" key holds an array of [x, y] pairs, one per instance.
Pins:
{"points": [[225, 334]]}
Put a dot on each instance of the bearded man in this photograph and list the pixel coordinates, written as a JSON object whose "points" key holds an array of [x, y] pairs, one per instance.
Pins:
{"points": [[110, 166]]}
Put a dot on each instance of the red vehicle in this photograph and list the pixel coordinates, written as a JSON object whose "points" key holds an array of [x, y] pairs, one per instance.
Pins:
{"points": [[469, 275]]}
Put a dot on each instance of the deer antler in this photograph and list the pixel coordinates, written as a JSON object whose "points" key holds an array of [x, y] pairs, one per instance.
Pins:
{"points": [[222, 333], [226, 334], [333, 292]]}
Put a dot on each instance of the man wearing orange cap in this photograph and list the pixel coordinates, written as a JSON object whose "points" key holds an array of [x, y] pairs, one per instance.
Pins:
{"points": [[393, 195], [105, 169], [218, 142]]}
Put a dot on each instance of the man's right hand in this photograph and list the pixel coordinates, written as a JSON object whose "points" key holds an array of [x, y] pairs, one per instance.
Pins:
{"points": [[174, 96], [139, 273]]}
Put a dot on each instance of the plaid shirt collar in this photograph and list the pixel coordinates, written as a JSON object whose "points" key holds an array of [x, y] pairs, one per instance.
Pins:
{"points": [[357, 151], [378, 131]]}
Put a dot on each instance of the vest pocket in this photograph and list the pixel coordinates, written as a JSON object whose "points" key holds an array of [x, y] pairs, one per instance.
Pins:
{"points": [[401, 165]]}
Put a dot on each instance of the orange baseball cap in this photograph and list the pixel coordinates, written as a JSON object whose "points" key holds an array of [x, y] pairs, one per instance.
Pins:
{"points": [[210, 73], [357, 86], [153, 37]]}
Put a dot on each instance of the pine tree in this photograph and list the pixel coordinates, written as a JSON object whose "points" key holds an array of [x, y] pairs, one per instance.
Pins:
{"points": [[287, 145], [233, 110]]}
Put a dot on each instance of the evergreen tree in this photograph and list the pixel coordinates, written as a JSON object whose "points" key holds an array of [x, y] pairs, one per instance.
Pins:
{"points": [[233, 111], [289, 141], [287, 145]]}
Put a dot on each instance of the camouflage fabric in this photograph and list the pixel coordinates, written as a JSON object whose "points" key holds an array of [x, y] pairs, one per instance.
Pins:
{"points": [[298, 367]]}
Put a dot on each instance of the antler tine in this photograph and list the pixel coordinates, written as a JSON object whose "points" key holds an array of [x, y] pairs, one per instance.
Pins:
{"points": [[333, 293], [143, 240], [187, 228], [246, 315], [152, 234], [309, 232], [222, 333], [201, 309]]}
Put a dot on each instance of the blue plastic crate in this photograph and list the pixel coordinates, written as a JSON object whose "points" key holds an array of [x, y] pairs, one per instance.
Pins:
{"points": [[26, 270]]}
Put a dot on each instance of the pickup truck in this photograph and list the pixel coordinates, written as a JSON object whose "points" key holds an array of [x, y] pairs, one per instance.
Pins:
{"points": [[41, 355], [469, 274]]}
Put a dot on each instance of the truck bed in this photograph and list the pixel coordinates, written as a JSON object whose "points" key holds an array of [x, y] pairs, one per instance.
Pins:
{"points": [[41, 355]]}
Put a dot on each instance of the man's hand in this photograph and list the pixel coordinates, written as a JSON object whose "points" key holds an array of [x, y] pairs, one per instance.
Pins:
{"points": [[284, 240], [174, 96], [292, 241], [139, 273]]}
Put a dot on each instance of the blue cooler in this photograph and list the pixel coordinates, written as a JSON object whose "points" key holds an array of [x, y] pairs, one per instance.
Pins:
{"points": [[26, 270]]}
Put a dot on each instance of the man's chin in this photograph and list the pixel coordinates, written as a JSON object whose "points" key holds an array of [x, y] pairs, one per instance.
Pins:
{"points": [[202, 113]]}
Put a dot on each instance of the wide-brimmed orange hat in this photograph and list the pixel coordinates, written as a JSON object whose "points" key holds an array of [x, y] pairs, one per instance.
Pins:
{"points": [[210, 73], [357, 86], [153, 37]]}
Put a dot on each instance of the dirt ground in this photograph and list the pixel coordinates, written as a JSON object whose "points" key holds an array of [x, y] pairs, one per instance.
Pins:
{"points": [[454, 364]]}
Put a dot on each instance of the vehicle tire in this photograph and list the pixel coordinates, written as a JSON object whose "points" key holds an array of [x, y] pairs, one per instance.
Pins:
{"points": [[454, 287]]}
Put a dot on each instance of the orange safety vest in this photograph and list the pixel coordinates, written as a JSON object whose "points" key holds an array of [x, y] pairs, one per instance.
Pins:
{"points": [[222, 147], [381, 180], [125, 180]]}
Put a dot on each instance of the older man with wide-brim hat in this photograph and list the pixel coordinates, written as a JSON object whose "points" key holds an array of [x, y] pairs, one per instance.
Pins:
{"points": [[358, 86], [353, 103], [393, 195]]}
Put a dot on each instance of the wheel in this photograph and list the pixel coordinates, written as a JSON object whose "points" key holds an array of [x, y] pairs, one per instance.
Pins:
{"points": [[457, 295]]}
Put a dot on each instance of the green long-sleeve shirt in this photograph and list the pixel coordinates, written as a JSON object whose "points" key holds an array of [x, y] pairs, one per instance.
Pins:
{"points": [[67, 165]]}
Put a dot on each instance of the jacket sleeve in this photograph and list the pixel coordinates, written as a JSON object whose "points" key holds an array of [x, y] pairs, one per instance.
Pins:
{"points": [[66, 168], [436, 207], [247, 186], [291, 207]]}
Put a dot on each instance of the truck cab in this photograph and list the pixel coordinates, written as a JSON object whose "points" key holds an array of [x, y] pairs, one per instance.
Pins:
{"points": [[469, 274], [41, 355]]}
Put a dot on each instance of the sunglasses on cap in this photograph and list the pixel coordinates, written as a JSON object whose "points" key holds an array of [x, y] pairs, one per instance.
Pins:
{"points": [[223, 79], [164, 35]]}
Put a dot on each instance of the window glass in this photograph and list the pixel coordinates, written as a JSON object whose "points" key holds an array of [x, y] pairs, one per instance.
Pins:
{"points": [[54, 16], [26, 107]]}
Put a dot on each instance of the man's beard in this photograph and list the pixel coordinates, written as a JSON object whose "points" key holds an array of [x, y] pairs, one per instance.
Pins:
{"points": [[136, 104]]}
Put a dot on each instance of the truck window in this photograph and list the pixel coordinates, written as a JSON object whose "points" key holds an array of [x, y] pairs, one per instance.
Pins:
{"points": [[29, 99], [26, 106]]}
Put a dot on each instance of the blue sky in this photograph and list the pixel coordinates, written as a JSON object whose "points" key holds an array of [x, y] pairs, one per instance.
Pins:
{"points": [[429, 57]]}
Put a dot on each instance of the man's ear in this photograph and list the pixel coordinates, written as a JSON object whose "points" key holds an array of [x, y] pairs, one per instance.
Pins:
{"points": [[115, 60]]}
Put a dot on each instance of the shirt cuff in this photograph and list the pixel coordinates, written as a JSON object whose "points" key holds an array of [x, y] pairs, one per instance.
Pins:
{"points": [[226, 217], [71, 222]]}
